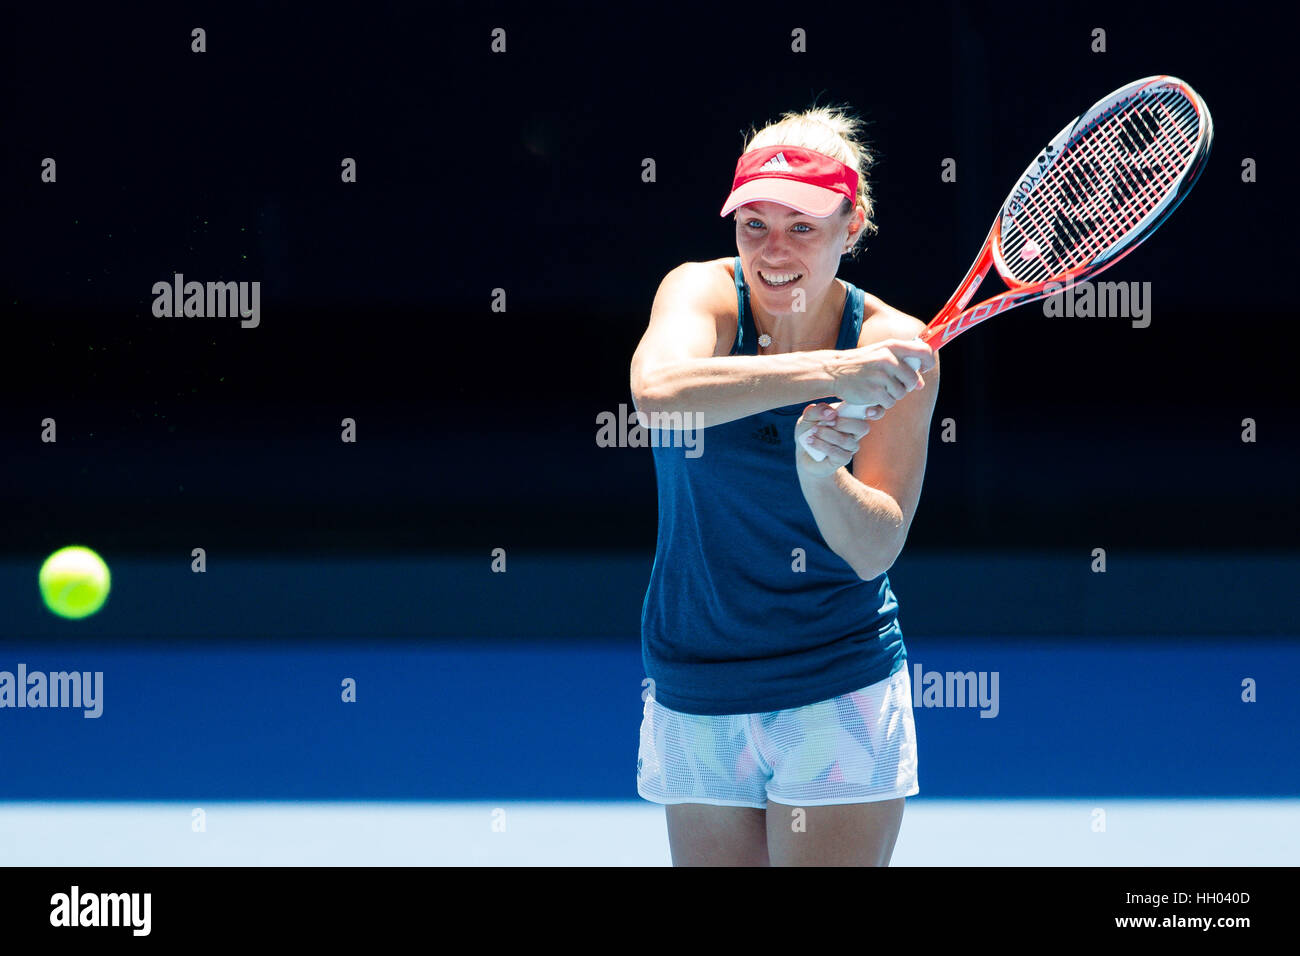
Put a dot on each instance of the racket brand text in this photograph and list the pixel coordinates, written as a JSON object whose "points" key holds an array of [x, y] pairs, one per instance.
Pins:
{"points": [[1030, 180]]}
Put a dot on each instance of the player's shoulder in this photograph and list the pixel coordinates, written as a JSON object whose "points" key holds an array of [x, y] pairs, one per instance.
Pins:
{"points": [[710, 273], [881, 321], [709, 286]]}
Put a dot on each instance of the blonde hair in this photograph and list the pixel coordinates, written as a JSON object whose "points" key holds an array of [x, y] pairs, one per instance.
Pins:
{"points": [[837, 133]]}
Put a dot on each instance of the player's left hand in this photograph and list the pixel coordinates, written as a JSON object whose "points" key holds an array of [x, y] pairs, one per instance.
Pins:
{"points": [[837, 436]]}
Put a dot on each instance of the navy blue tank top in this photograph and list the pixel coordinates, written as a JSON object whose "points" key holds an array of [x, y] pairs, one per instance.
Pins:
{"points": [[748, 610]]}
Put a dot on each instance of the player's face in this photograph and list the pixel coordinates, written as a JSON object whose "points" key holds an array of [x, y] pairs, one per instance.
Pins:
{"points": [[784, 251]]}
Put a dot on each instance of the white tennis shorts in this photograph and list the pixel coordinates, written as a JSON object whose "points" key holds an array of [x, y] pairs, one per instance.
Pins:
{"points": [[856, 748]]}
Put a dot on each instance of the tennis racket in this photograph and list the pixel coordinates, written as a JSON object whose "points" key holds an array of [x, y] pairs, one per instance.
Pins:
{"points": [[1101, 186]]}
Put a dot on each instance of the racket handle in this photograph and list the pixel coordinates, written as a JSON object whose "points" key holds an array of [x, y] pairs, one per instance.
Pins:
{"points": [[850, 411]]}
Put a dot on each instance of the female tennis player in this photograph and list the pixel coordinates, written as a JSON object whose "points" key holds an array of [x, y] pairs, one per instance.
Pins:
{"points": [[778, 728]]}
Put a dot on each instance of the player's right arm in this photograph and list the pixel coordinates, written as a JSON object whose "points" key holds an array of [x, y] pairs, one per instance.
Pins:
{"points": [[683, 364]]}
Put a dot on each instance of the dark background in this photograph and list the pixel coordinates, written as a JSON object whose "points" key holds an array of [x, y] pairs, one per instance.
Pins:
{"points": [[522, 171]]}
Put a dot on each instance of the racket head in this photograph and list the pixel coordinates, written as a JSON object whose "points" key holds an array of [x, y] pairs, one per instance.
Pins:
{"points": [[1103, 184]]}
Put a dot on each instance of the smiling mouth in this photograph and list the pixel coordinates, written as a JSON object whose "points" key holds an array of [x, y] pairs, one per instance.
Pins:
{"points": [[779, 280]]}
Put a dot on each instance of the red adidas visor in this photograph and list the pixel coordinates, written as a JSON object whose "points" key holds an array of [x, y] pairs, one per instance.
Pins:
{"points": [[813, 183]]}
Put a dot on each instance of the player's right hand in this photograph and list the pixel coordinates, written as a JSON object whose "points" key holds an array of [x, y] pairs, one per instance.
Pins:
{"points": [[879, 374], [835, 436]]}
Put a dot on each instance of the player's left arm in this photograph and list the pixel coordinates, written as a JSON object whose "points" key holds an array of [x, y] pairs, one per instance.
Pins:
{"points": [[864, 510]]}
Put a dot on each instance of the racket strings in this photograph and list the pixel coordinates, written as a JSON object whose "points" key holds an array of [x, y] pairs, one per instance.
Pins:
{"points": [[1135, 189], [1096, 162], [1076, 217], [1093, 198], [1103, 185]]}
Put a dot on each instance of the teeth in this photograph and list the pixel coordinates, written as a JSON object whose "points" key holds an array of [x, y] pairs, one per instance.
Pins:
{"points": [[780, 278]]}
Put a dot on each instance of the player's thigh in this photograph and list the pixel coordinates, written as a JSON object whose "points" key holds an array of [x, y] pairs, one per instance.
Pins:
{"points": [[703, 835], [845, 834]]}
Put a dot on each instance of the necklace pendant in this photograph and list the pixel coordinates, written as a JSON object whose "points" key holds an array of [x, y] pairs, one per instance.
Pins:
{"points": [[765, 340]]}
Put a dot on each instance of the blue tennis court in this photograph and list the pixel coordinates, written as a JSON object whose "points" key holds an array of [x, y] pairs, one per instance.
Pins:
{"points": [[1103, 751]]}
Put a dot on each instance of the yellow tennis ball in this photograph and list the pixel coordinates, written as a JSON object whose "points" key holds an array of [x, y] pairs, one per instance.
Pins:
{"points": [[74, 582]]}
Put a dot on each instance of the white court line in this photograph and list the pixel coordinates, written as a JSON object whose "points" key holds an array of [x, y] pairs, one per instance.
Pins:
{"points": [[935, 833]]}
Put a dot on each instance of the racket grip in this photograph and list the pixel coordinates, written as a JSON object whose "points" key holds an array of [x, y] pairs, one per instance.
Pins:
{"points": [[849, 411]]}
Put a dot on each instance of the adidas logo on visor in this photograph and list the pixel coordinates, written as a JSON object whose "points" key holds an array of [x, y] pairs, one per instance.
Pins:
{"points": [[778, 163]]}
